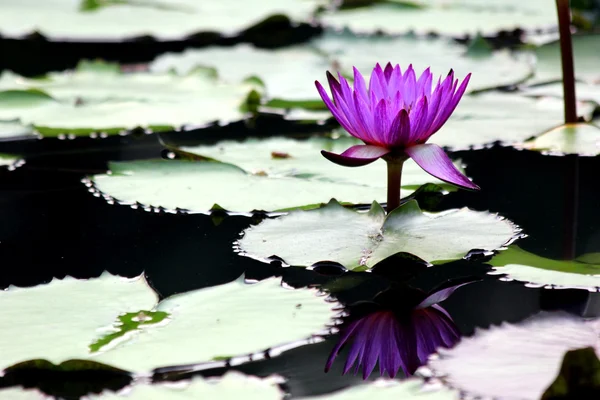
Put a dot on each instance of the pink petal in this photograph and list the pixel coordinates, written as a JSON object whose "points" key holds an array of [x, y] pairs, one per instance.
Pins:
{"points": [[365, 119], [341, 118], [399, 133], [378, 83], [356, 156], [409, 86], [381, 121], [395, 80], [360, 85], [387, 72], [451, 105], [424, 83], [418, 120], [434, 161]]}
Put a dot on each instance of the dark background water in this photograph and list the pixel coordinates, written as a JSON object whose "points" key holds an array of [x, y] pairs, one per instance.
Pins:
{"points": [[53, 227]]}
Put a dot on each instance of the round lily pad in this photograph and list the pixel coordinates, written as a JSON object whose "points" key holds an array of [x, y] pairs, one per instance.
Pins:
{"points": [[98, 97], [450, 17], [513, 361], [391, 389], [584, 91], [59, 320], [358, 240], [581, 139], [19, 393], [88, 20], [489, 68], [205, 325], [284, 157], [517, 264]]}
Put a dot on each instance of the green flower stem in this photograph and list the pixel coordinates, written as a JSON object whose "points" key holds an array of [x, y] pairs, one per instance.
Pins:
{"points": [[566, 51], [394, 177]]}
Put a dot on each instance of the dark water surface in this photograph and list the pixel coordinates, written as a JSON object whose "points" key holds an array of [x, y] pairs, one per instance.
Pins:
{"points": [[53, 227]]}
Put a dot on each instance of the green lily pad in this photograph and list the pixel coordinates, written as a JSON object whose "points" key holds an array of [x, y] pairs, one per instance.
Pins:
{"points": [[489, 68], [231, 386], [283, 157], [523, 359], [517, 264], [162, 19], [11, 162], [583, 91], [585, 54], [391, 389], [358, 240], [19, 393], [581, 139], [450, 17], [13, 130], [196, 186], [98, 97], [57, 321], [205, 324]]}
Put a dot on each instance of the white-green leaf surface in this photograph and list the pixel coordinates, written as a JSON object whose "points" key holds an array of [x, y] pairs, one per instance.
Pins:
{"points": [[98, 97], [283, 157], [520, 265], [162, 19], [18, 393], [10, 161], [586, 54], [390, 389], [13, 130], [583, 91], [198, 186], [59, 320], [514, 361], [231, 386], [360, 240], [206, 325], [581, 139], [451, 17], [489, 68]]}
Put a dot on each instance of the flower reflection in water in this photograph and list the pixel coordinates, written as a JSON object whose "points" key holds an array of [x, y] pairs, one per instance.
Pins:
{"points": [[398, 334]]}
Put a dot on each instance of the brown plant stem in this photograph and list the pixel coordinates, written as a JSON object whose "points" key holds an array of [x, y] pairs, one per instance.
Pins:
{"points": [[566, 51], [394, 177]]}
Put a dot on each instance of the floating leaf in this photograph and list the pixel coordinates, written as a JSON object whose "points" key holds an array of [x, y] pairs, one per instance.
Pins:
{"points": [[523, 359], [581, 139], [13, 130], [96, 97], [451, 17], [390, 389], [585, 54], [360, 240], [205, 325], [489, 68], [579, 375], [303, 159], [583, 91], [231, 386], [10, 161], [200, 186], [162, 19], [58, 321], [19, 393], [517, 264]]}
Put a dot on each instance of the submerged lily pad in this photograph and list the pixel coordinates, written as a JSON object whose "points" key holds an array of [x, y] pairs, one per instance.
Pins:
{"points": [[581, 139], [451, 17], [98, 97], [162, 19], [390, 389], [231, 386], [283, 157], [57, 321], [489, 68], [513, 361], [517, 264], [205, 325], [585, 55], [358, 241]]}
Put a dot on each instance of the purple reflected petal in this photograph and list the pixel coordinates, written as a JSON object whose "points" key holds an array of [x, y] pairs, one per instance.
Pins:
{"points": [[346, 333], [356, 156], [434, 161], [439, 296]]}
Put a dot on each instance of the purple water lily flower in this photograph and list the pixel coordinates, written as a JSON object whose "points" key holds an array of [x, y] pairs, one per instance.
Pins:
{"points": [[395, 116], [397, 339]]}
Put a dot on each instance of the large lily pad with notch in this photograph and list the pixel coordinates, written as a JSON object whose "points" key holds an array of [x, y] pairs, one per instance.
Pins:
{"points": [[391, 389], [586, 55], [205, 325], [581, 139], [451, 17], [489, 68], [283, 157], [358, 240], [59, 320], [523, 359], [520, 265], [163, 19], [98, 97], [197, 186], [287, 73], [231, 386]]}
